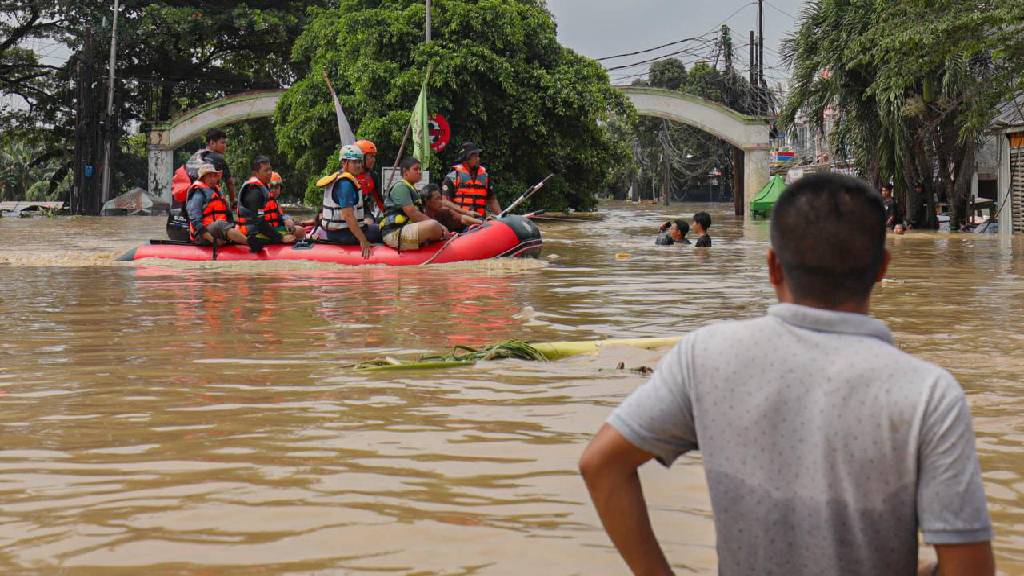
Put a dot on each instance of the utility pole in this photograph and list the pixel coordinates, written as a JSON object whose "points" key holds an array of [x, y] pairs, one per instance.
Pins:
{"points": [[428, 21], [665, 172], [762, 101], [753, 62], [109, 131], [737, 181], [86, 132], [635, 178]]}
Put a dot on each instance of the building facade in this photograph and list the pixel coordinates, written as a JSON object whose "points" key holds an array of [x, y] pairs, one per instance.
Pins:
{"points": [[1000, 167]]}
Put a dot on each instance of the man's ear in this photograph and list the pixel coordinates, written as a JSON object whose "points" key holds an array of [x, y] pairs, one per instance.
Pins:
{"points": [[775, 275], [886, 259]]}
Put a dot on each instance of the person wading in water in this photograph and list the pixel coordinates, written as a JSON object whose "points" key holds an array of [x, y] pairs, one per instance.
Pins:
{"points": [[826, 448]]}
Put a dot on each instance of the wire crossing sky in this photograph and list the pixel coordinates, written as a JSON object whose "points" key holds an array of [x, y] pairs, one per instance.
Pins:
{"points": [[649, 30]]}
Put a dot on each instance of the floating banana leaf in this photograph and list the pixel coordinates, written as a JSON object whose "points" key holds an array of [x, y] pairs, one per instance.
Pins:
{"points": [[539, 352]]}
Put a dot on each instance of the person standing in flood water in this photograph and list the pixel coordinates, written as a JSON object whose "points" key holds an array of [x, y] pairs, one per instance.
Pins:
{"points": [[673, 232], [701, 223], [826, 448]]}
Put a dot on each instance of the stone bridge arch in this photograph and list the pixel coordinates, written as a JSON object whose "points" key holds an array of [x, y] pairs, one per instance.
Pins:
{"points": [[749, 134], [165, 138]]}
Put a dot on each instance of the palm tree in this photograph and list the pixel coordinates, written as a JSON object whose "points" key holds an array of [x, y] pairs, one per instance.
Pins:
{"points": [[24, 172], [915, 83]]}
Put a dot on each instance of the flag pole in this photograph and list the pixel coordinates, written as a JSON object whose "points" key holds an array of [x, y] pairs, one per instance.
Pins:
{"points": [[408, 128], [428, 22]]}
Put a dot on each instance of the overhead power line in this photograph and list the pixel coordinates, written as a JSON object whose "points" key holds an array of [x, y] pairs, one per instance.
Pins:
{"points": [[703, 36], [780, 10], [687, 51], [693, 39]]}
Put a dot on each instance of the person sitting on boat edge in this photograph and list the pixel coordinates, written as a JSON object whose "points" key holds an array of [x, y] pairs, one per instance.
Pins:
{"points": [[467, 188], [673, 232], [405, 226], [289, 226], [701, 223], [259, 216], [433, 203], [209, 217], [343, 215], [372, 200]]}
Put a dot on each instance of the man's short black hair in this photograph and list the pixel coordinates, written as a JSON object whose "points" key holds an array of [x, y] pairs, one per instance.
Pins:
{"points": [[407, 163], [215, 134], [704, 219], [886, 185], [259, 161], [684, 228], [828, 232]]}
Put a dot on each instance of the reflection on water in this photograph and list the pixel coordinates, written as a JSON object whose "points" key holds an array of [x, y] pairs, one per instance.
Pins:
{"points": [[196, 419]]}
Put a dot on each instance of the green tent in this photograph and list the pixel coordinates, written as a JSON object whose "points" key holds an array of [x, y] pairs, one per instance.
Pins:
{"points": [[765, 200]]}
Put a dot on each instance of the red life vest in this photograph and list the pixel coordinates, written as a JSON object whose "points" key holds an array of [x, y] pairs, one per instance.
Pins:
{"points": [[369, 187], [270, 211], [215, 209], [470, 191]]}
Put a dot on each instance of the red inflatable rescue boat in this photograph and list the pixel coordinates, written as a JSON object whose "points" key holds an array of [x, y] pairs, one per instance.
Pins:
{"points": [[511, 236]]}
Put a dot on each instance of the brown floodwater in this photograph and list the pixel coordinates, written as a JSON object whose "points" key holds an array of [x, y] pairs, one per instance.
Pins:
{"points": [[200, 419]]}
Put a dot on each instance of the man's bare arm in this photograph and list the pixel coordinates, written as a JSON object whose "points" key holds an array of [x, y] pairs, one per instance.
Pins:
{"points": [[493, 205], [609, 467], [963, 560]]}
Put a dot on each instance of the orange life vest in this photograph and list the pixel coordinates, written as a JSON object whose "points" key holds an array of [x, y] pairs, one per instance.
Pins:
{"points": [[215, 209], [369, 187], [470, 191], [270, 212]]}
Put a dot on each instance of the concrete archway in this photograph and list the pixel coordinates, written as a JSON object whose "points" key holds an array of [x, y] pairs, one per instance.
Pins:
{"points": [[747, 133], [165, 138], [750, 134]]}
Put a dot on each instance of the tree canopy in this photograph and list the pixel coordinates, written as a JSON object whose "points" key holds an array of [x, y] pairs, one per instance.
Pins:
{"points": [[171, 57], [915, 83], [499, 76]]}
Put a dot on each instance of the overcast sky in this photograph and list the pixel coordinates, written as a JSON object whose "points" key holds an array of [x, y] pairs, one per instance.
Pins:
{"points": [[599, 28]]}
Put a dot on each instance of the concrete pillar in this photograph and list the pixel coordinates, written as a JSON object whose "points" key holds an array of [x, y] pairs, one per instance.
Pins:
{"points": [[1003, 190], [161, 171], [755, 175]]}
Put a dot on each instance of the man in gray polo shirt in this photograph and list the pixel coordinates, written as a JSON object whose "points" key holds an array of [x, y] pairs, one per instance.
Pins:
{"points": [[826, 448]]}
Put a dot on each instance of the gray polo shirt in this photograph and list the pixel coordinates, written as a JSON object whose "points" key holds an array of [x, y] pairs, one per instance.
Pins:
{"points": [[826, 448]]}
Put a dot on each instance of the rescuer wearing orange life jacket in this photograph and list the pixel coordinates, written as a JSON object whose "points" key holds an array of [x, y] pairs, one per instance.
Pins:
{"points": [[259, 215], [467, 188], [209, 216], [372, 197], [289, 225]]}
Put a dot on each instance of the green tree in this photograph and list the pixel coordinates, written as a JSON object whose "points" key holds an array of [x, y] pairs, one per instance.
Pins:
{"points": [[670, 74], [23, 176], [21, 73], [172, 56], [499, 76], [915, 82]]}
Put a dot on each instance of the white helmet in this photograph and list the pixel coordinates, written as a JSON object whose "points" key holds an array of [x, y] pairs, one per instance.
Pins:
{"points": [[351, 152]]}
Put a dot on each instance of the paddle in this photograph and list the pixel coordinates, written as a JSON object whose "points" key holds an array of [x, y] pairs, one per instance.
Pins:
{"points": [[526, 196]]}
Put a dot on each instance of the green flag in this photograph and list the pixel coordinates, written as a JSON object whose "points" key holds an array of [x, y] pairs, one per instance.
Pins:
{"points": [[421, 127]]}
